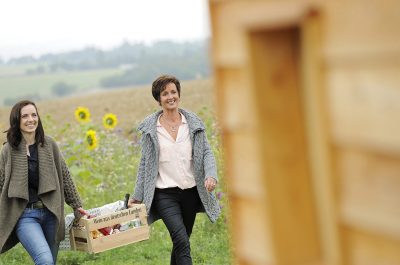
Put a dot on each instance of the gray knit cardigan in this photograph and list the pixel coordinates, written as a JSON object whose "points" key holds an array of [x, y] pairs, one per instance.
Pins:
{"points": [[203, 161], [55, 187]]}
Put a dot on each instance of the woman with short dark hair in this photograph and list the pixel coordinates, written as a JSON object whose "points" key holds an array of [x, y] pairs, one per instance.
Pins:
{"points": [[177, 173]]}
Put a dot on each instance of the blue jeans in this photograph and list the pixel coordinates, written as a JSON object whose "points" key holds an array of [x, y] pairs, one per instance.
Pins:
{"points": [[36, 230]]}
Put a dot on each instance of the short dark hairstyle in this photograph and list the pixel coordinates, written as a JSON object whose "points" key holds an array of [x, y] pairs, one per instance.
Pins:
{"points": [[14, 135], [161, 82]]}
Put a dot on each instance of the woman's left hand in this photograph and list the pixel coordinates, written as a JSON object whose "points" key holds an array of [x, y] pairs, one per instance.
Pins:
{"points": [[210, 184], [79, 212], [82, 211]]}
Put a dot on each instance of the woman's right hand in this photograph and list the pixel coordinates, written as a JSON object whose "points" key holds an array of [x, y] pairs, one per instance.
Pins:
{"points": [[132, 202]]}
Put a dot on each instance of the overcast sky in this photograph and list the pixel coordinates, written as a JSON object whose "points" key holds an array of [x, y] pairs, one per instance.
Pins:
{"points": [[34, 27]]}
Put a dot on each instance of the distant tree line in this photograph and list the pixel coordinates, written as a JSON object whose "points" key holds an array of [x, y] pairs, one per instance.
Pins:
{"points": [[140, 62]]}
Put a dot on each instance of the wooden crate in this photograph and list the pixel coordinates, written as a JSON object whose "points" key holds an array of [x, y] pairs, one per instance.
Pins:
{"points": [[81, 238]]}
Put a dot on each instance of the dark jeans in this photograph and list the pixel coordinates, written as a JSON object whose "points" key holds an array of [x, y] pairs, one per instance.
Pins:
{"points": [[177, 208]]}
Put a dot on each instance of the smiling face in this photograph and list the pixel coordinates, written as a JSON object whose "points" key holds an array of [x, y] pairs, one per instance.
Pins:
{"points": [[29, 119], [169, 97]]}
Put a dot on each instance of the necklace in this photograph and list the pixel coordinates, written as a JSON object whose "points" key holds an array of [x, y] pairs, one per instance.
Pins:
{"points": [[174, 127]]}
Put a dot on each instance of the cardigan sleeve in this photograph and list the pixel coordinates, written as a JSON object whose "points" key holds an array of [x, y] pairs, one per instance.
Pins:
{"points": [[139, 186], [210, 167], [2, 169]]}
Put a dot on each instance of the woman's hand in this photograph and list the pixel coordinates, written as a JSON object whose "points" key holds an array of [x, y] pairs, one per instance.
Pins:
{"points": [[210, 184], [79, 212], [82, 211], [132, 202]]}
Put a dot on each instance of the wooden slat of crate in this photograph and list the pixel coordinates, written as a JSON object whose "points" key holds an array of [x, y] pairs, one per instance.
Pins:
{"points": [[81, 246], [80, 233], [117, 240], [78, 239], [108, 242]]}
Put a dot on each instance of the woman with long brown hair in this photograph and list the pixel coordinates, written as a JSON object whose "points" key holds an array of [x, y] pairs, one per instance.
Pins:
{"points": [[34, 183]]}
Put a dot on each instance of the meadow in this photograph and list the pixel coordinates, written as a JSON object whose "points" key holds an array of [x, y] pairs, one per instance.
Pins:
{"points": [[105, 172], [15, 83]]}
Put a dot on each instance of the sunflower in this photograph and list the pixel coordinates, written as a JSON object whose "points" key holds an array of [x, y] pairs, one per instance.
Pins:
{"points": [[91, 139], [110, 121], [82, 114]]}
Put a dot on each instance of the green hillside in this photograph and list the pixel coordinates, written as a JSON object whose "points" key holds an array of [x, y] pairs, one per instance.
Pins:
{"points": [[15, 83]]}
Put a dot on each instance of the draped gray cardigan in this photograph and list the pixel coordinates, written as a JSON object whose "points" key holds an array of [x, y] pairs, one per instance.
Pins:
{"points": [[203, 161], [55, 187]]}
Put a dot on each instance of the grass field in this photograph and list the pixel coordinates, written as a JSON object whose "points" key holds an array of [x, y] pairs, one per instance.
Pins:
{"points": [[105, 174], [14, 83], [14, 70], [208, 248]]}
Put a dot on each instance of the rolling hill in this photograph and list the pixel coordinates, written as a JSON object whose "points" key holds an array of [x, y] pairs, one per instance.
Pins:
{"points": [[130, 105]]}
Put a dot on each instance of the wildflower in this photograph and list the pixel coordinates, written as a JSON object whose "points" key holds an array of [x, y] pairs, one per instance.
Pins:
{"points": [[110, 121], [101, 187], [82, 114], [91, 139]]}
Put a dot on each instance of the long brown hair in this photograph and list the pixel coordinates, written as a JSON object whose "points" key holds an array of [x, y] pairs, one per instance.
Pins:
{"points": [[14, 135]]}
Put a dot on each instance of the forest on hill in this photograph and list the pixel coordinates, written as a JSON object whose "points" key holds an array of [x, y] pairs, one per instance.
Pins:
{"points": [[188, 60], [129, 64]]}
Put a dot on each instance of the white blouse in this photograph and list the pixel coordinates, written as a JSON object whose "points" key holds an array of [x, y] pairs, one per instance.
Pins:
{"points": [[175, 167]]}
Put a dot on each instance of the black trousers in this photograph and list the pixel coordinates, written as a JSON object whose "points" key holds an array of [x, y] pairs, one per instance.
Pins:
{"points": [[177, 208]]}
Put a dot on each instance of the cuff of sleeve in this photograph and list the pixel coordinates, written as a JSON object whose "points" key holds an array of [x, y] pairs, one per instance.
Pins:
{"points": [[135, 199], [216, 180], [77, 214]]}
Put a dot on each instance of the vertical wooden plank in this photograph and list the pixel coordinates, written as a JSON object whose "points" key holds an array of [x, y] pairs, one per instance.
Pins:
{"points": [[239, 121], [316, 112], [286, 173], [244, 166]]}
